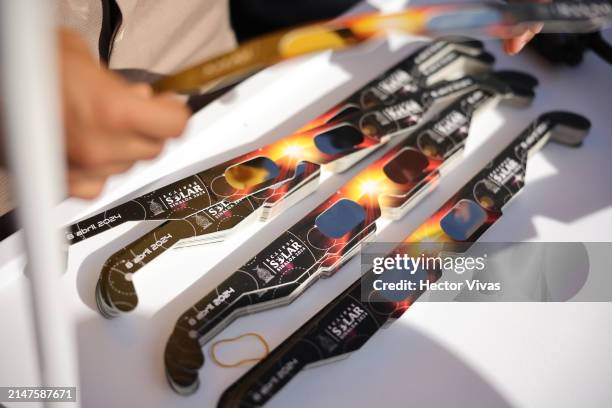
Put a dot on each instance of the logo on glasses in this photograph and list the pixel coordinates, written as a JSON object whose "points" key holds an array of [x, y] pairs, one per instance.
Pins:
{"points": [[264, 274], [155, 207]]}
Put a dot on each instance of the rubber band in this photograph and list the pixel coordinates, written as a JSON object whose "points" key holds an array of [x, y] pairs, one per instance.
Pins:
{"points": [[241, 362]]}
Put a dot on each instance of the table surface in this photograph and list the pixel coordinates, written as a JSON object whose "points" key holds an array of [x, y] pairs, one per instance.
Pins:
{"points": [[437, 354]]}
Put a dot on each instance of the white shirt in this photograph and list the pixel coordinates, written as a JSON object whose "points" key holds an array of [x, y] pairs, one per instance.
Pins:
{"points": [[160, 36]]}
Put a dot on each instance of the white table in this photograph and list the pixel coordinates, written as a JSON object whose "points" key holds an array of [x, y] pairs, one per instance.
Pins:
{"points": [[437, 354]]}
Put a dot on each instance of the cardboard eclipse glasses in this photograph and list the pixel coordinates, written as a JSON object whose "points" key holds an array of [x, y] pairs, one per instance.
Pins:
{"points": [[356, 315], [486, 19], [328, 236], [115, 291]]}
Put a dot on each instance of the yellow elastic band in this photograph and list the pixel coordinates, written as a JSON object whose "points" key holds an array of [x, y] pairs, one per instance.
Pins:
{"points": [[241, 362]]}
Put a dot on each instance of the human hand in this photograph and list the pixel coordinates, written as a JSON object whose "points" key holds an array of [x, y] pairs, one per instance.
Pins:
{"points": [[109, 123], [514, 45]]}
